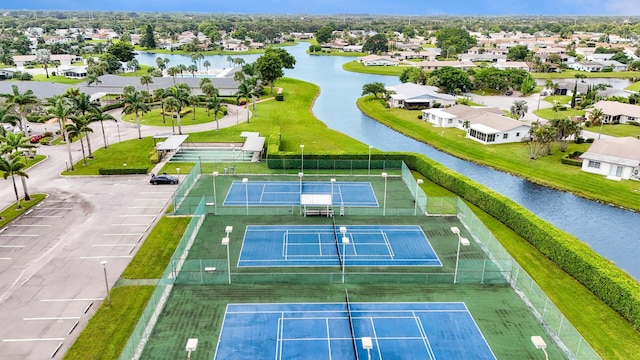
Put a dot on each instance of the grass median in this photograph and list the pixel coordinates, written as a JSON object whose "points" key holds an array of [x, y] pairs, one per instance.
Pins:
{"points": [[10, 213], [356, 66]]}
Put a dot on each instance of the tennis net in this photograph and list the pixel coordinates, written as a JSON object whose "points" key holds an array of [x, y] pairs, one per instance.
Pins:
{"points": [[335, 235], [353, 334]]}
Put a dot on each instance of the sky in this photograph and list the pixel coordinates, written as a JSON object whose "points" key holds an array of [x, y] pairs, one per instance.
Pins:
{"points": [[376, 7]]}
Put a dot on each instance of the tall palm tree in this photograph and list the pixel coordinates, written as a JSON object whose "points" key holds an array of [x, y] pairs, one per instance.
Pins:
{"points": [[134, 104], [179, 92], [12, 144], [230, 61], [159, 94], [192, 69], [193, 101], [214, 103], [519, 109], [21, 102], [239, 61], [256, 89], [62, 110], [83, 104], [93, 79], [196, 58], [596, 117], [204, 81], [11, 167], [101, 116], [173, 105], [173, 71], [182, 68], [7, 117], [146, 79], [245, 91], [206, 64], [77, 129]]}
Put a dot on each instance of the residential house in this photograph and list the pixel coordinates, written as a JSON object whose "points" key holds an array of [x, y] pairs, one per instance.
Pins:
{"points": [[616, 112], [352, 48], [428, 54], [414, 96], [435, 65], [64, 59], [589, 66], [6, 74], [485, 125], [378, 60], [598, 57], [73, 72], [615, 158], [503, 65], [483, 57], [614, 65]]}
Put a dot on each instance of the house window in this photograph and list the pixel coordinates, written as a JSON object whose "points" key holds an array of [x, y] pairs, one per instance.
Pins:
{"points": [[517, 134], [491, 137], [594, 164], [505, 136], [450, 121], [631, 118]]}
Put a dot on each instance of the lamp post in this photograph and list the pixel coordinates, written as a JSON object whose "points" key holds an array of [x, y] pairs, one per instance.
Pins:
{"points": [[233, 156], [118, 127], [367, 344], [415, 209], [384, 201], [192, 345], [245, 181], [461, 241], [345, 241], [539, 343], [225, 242], [215, 198], [369, 164], [106, 281], [301, 157], [332, 182], [178, 171]]}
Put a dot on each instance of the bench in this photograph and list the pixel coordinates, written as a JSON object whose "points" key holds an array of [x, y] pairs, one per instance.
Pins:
{"points": [[318, 212]]}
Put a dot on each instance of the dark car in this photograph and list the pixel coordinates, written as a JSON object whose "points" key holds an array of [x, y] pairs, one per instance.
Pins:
{"points": [[36, 138], [163, 179]]}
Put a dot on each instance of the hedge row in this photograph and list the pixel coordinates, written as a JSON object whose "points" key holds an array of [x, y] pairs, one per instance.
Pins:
{"points": [[568, 159], [123, 171], [112, 106], [610, 284]]}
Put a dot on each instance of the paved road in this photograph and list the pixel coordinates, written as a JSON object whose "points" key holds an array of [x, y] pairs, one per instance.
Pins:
{"points": [[505, 102], [51, 276]]}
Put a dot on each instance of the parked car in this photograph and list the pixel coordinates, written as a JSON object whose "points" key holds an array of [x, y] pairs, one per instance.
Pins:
{"points": [[36, 138], [163, 179], [17, 129]]}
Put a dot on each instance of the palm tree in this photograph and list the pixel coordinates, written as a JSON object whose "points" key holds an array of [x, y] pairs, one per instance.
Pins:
{"points": [[83, 104], [230, 61], [206, 65], [11, 167], [173, 71], [160, 94], [93, 79], [12, 144], [6, 117], [204, 81], [146, 79], [256, 89], [196, 57], [180, 93], [214, 103], [596, 117], [62, 110], [79, 127], [193, 100], [101, 116], [134, 104], [182, 68], [239, 61], [245, 90], [162, 63], [173, 105], [193, 70], [21, 102], [519, 109]]}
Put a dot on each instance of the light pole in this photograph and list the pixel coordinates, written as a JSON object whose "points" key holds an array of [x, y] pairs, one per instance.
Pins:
{"points": [[302, 158], [178, 171], [233, 156], [367, 344], [369, 165], [345, 241], [539, 343], [415, 209], [300, 176], [461, 241], [118, 127], [225, 242], [384, 202], [215, 198], [245, 181], [106, 281], [192, 345], [332, 182]]}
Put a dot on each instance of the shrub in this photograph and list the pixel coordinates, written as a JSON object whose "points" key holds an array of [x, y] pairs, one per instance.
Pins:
{"points": [[420, 117], [232, 101], [436, 105], [579, 140], [123, 171], [589, 140], [279, 97], [112, 106], [634, 123], [569, 159], [153, 157]]}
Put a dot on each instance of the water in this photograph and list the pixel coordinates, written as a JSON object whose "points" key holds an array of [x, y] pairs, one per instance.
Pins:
{"points": [[610, 231]]}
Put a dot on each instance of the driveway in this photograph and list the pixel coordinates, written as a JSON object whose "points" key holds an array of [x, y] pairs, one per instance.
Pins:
{"points": [[504, 102]]}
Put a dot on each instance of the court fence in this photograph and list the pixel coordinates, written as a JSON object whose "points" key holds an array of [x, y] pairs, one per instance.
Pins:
{"points": [[184, 187], [551, 318], [144, 327], [352, 167]]}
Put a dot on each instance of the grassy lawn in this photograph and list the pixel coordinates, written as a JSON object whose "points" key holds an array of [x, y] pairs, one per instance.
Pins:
{"points": [[571, 74], [56, 79], [634, 87], [549, 114], [355, 66], [134, 153], [152, 258], [109, 329], [562, 99], [10, 213], [511, 158], [619, 130], [154, 117], [142, 70]]}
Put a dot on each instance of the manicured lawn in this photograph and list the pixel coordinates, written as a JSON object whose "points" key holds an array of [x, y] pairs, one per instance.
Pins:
{"points": [[511, 158], [141, 71], [571, 74], [337, 53], [549, 114], [154, 117], [618, 130], [634, 87], [355, 66], [562, 99], [56, 79], [134, 153], [10, 213], [109, 329]]}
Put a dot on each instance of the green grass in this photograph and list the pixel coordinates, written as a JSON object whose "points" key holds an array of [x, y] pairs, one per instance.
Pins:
{"points": [[56, 79], [10, 213], [134, 153], [619, 130], [571, 74], [634, 87], [355, 66], [512, 158], [153, 257], [154, 117], [549, 114], [109, 329], [142, 70], [36, 159], [337, 53], [562, 99]]}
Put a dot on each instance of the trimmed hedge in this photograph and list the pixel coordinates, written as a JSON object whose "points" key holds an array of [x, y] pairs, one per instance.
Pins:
{"points": [[279, 97], [112, 106], [568, 159], [123, 171]]}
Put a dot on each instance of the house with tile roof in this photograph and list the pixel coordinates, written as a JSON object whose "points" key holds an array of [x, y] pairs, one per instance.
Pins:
{"points": [[414, 96], [616, 112], [615, 158]]}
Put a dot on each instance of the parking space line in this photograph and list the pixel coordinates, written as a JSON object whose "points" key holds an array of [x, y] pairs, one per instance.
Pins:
{"points": [[19, 235], [43, 216], [137, 215], [106, 257], [12, 246], [123, 234], [142, 207], [149, 199], [30, 225], [52, 318], [53, 208], [106, 245], [63, 201], [33, 339], [63, 300], [5, 258], [129, 224]]}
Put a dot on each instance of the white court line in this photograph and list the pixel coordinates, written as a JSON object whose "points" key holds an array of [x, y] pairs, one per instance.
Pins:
{"points": [[156, 192], [62, 300], [105, 245], [52, 318], [106, 257], [33, 339], [25, 225], [19, 235], [12, 246]]}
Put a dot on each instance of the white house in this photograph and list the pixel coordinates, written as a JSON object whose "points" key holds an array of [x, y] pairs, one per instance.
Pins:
{"points": [[615, 158], [414, 96], [512, 65], [616, 112], [377, 60], [614, 65], [484, 125], [435, 65], [589, 66]]}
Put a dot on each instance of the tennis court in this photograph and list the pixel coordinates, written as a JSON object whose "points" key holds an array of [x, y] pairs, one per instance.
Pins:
{"points": [[287, 193], [321, 245], [335, 331]]}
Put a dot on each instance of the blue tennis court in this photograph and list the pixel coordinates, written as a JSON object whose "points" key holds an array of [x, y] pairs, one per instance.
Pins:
{"points": [[287, 193], [315, 245], [326, 331]]}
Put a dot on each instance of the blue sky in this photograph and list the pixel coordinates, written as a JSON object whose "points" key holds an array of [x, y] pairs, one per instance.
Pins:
{"points": [[405, 7]]}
